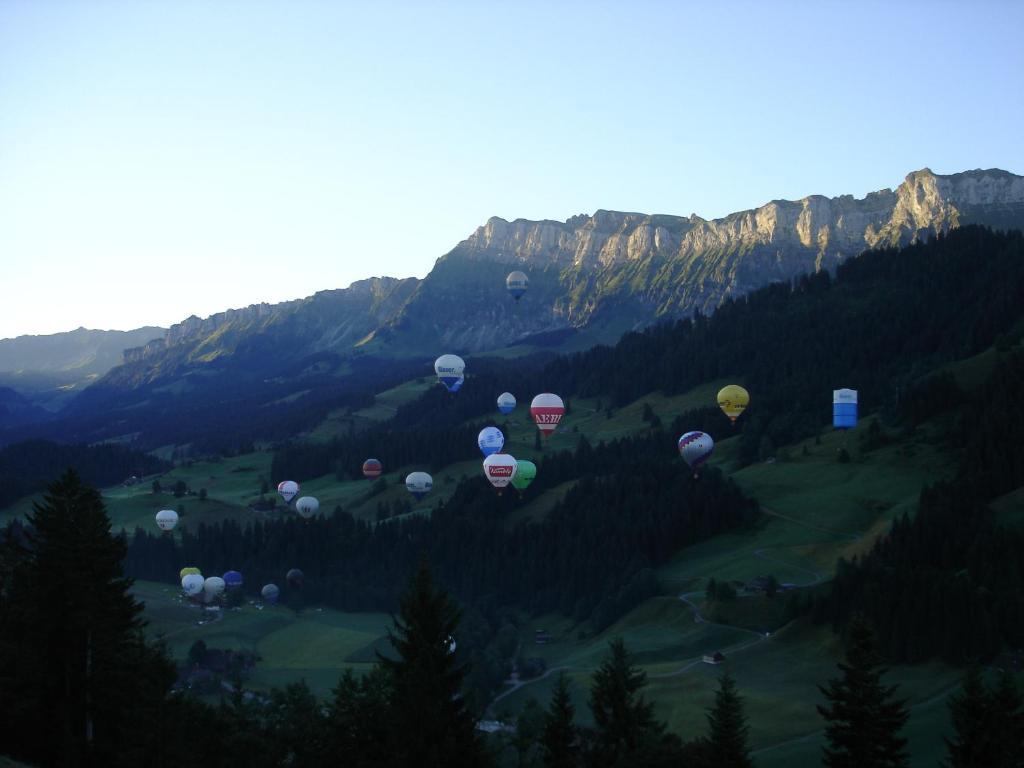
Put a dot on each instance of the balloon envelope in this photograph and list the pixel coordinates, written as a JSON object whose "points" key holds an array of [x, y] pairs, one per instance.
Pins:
{"points": [[516, 283], [526, 471], [192, 584], [419, 484], [547, 411], [499, 468], [295, 577], [695, 448], [213, 586], [270, 593], [166, 519], [288, 489], [186, 571], [307, 506], [506, 403], [733, 400], [490, 440], [372, 468], [449, 370], [844, 408], [233, 579]]}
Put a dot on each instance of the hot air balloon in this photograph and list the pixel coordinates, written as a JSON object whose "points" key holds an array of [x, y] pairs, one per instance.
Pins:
{"points": [[233, 579], [695, 448], [451, 644], [499, 468], [288, 489], [547, 410], [270, 593], [490, 440], [517, 282], [294, 577], [506, 403], [844, 408], [186, 571], [419, 484], [449, 370], [193, 584], [213, 586], [525, 472], [307, 506], [372, 468], [166, 519], [733, 400]]}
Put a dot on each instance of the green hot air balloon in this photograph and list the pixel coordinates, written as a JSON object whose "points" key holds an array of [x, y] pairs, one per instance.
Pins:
{"points": [[525, 472]]}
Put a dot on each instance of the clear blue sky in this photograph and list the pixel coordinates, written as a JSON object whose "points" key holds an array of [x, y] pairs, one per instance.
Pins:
{"points": [[162, 159]]}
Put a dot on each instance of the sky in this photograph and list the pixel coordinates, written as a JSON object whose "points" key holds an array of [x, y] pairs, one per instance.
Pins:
{"points": [[164, 159]]}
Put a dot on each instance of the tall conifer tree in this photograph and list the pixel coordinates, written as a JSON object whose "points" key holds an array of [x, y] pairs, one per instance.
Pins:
{"points": [[431, 726], [560, 740], [728, 727], [864, 719]]}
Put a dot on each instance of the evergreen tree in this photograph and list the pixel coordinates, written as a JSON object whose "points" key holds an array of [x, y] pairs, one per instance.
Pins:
{"points": [[431, 726], [970, 712], [624, 719], [864, 719], [358, 719], [728, 727], [559, 741], [1007, 729], [82, 680]]}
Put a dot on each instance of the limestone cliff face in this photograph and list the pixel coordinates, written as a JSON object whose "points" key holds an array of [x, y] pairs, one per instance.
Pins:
{"points": [[605, 274]]}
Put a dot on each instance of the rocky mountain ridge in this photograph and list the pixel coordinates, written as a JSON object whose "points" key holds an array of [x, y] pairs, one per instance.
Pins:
{"points": [[602, 274]]}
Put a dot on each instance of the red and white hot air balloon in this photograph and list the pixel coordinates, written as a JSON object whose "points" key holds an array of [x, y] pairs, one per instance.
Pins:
{"points": [[547, 410], [499, 468]]}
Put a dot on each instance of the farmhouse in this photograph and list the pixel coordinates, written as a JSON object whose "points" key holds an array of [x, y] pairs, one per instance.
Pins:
{"points": [[715, 658]]}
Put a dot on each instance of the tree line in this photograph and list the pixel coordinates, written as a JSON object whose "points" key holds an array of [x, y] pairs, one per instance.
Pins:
{"points": [[27, 467]]}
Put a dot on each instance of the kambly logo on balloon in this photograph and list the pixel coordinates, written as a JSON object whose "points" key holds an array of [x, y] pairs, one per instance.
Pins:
{"points": [[500, 471]]}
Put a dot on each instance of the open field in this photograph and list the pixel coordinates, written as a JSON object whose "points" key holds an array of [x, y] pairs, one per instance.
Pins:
{"points": [[313, 644]]}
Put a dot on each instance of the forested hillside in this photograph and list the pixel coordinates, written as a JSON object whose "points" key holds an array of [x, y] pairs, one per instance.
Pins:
{"points": [[27, 467]]}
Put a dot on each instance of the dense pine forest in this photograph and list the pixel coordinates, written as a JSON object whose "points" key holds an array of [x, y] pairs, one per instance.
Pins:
{"points": [[27, 467]]}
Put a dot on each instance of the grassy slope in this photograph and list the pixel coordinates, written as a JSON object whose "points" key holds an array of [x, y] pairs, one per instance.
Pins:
{"points": [[313, 644]]}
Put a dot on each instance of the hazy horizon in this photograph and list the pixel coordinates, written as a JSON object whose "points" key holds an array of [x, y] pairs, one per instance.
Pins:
{"points": [[164, 160]]}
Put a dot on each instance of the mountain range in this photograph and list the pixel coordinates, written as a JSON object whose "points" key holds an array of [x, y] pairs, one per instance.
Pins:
{"points": [[591, 279]]}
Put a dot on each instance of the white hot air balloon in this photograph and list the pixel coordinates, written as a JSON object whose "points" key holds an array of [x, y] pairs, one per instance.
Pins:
{"points": [[166, 519], [192, 584], [499, 468], [419, 484], [307, 506], [449, 370], [288, 489], [213, 586]]}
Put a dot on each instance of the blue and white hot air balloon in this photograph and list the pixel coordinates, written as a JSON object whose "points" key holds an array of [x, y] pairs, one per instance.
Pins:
{"points": [[419, 484], [449, 370], [270, 593], [490, 441], [844, 408], [695, 448], [517, 282], [506, 403]]}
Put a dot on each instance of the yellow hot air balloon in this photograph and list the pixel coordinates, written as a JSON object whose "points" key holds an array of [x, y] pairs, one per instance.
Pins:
{"points": [[733, 399]]}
